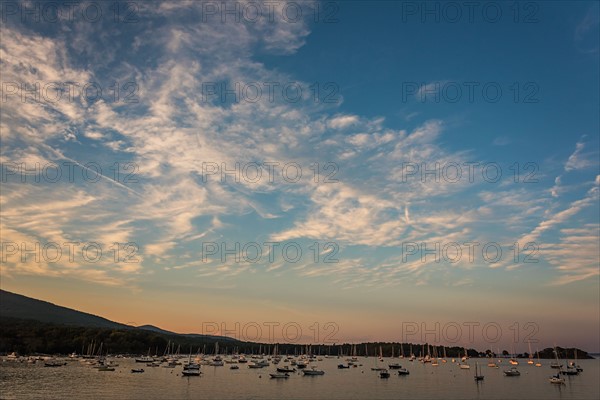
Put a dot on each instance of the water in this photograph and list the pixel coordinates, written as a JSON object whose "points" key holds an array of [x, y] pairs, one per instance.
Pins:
{"points": [[446, 381]]}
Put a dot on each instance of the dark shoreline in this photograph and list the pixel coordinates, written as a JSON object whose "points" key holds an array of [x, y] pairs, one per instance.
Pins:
{"points": [[33, 337]]}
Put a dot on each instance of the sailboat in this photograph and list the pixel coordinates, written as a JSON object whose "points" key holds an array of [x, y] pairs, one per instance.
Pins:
{"points": [[574, 364], [427, 358], [217, 361], [434, 360], [491, 363], [557, 379], [354, 358], [478, 376], [395, 365], [513, 371], [538, 363], [191, 368], [555, 364], [513, 360], [530, 361], [464, 365], [377, 367], [146, 359]]}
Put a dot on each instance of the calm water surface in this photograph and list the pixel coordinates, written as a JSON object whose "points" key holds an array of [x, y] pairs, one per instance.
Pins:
{"points": [[446, 381]]}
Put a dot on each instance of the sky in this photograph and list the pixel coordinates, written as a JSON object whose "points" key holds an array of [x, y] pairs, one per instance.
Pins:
{"points": [[307, 171]]}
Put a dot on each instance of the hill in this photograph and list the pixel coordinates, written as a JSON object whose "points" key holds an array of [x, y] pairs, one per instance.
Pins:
{"points": [[14, 305]]}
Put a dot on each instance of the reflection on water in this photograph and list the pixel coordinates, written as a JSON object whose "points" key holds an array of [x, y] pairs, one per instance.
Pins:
{"points": [[446, 381]]}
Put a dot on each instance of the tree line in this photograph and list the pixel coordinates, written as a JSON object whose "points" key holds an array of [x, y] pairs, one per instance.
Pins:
{"points": [[34, 337]]}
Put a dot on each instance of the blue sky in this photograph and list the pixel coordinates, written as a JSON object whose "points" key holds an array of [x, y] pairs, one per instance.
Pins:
{"points": [[393, 80]]}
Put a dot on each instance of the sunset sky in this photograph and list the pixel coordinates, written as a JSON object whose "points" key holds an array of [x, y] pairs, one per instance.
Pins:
{"points": [[429, 166]]}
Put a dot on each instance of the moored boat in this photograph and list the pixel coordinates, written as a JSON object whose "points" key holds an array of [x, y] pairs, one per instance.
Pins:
{"points": [[384, 374], [313, 371], [190, 372], [478, 376], [285, 369], [54, 363], [513, 371]]}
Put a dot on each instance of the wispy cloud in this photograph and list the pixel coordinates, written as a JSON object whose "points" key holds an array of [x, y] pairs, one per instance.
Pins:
{"points": [[173, 129], [587, 31], [581, 159], [501, 141]]}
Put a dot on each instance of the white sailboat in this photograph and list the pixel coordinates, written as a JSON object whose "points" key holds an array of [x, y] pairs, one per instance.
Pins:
{"points": [[464, 364], [538, 363], [217, 361], [556, 379], [555, 364], [530, 361], [435, 360], [513, 359]]}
